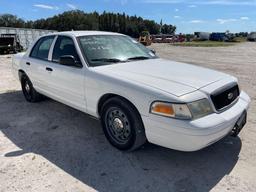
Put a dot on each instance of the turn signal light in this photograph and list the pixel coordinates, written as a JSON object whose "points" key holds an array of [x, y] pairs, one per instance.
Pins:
{"points": [[163, 109]]}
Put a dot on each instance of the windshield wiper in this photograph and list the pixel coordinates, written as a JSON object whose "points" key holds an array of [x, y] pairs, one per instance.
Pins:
{"points": [[110, 60], [138, 58], [115, 60]]}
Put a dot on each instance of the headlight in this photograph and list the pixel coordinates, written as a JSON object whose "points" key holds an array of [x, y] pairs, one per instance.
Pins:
{"points": [[200, 108], [193, 110], [179, 111]]}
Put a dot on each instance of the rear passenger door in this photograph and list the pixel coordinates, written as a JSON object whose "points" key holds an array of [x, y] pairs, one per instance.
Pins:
{"points": [[66, 83], [37, 60]]}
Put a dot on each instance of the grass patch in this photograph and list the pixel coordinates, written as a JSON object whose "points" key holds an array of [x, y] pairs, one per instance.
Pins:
{"points": [[240, 39], [204, 44]]}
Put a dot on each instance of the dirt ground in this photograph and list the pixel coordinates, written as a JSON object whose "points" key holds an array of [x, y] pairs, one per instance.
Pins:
{"points": [[48, 146]]}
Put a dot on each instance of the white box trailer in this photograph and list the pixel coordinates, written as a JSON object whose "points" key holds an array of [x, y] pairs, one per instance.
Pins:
{"points": [[252, 36], [25, 36], [202, 36]]}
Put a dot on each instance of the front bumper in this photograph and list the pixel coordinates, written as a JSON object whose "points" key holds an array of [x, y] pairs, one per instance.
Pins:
{"points": [[193, 135]]}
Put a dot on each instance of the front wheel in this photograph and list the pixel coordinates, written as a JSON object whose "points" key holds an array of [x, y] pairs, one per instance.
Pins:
{"points": [[122, 124], [30, 94]]}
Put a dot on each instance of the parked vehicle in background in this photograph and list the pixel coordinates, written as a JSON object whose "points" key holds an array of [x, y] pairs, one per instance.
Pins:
{"points": [[252, 36], [157, 39], [218, 37], [179, 38], [229, 37], [9, 43], [136, 95], [163, 38], [168, 38], [145, 38]]}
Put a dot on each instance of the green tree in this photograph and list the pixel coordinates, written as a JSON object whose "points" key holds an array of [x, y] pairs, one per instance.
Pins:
{"points": [[79, 20], [168, 29], [8, 20]]}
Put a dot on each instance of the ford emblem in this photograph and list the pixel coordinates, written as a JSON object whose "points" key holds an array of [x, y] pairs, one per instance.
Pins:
{"points": [[230, 96]]}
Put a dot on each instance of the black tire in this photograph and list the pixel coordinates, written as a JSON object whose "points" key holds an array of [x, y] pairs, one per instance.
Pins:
{"points": [[30, 94], [122, 124]]}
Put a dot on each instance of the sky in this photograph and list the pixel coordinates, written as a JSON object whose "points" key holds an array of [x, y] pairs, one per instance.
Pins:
{"points": [[188, 15]]}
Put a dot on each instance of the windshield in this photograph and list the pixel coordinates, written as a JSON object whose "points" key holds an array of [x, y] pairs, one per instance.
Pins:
{"points": [[109, 49]]}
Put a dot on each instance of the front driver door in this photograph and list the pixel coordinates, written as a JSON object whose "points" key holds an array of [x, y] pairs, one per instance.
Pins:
{"points": [[66, 83]]}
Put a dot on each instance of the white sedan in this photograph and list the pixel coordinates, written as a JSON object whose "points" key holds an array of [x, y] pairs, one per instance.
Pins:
{"points": [[137, 96]]}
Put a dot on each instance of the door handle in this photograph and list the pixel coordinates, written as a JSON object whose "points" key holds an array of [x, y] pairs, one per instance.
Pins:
{"points": [[28, 63], [48, 69]]}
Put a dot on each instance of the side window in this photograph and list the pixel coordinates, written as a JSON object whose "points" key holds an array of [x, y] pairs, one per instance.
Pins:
{"points": [[42, 48], [64, 46]]}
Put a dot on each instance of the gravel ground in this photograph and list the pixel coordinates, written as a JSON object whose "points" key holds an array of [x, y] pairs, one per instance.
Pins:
{"points": [[48, 146]]}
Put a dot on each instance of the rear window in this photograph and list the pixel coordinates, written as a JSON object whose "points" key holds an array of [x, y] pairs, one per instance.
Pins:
{"points": [[42, 48]]}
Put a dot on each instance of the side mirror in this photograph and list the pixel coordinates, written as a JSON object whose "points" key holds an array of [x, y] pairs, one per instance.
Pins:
{"points": [[153, 51], [69, 60]]}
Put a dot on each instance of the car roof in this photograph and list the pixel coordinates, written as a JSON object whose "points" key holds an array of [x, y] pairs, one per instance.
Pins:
{"points": [[84, 33]]}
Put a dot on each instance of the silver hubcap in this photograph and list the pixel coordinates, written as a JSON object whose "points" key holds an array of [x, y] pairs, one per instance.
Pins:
{"points": [[27, 87], [118, 124]]}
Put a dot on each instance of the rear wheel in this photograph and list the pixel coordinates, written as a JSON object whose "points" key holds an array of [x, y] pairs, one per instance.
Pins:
{"points": [[30, 94], [122, 124]]}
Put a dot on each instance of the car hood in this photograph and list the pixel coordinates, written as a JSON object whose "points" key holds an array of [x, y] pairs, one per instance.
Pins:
{"points": [[169, 76]]}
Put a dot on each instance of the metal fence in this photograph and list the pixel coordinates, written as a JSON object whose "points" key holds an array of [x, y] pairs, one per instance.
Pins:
{"points": [[26, 36]]}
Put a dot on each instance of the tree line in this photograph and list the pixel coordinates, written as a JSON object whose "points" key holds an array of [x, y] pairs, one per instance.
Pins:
{"points": [[79, 20]]}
